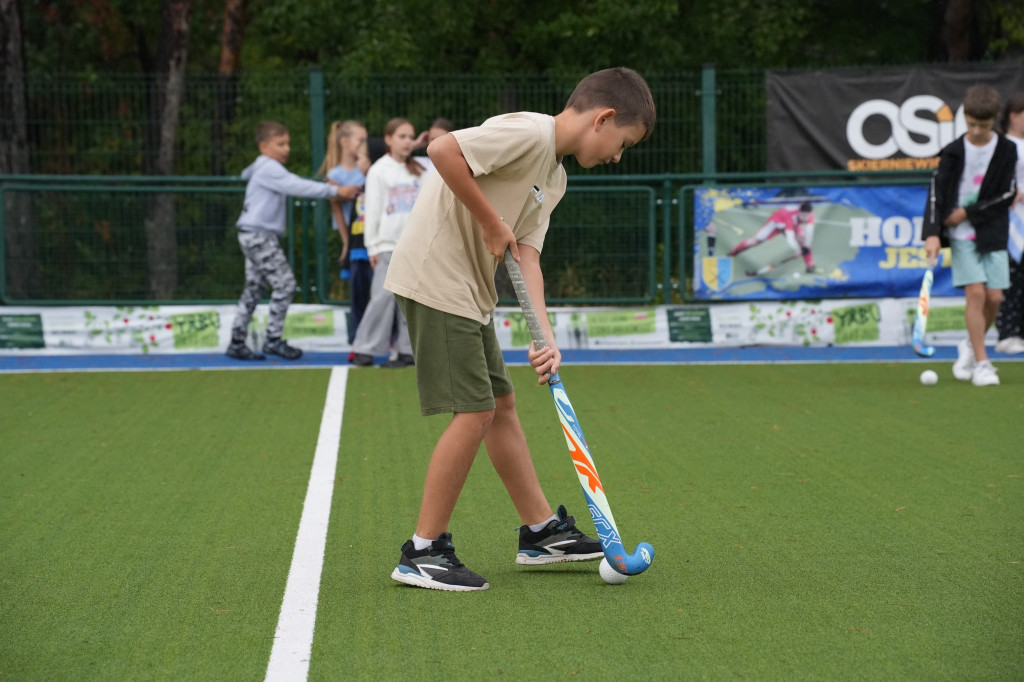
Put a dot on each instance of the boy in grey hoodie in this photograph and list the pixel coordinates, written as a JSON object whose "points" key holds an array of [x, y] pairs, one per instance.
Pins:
{"points": [[260, 227]]}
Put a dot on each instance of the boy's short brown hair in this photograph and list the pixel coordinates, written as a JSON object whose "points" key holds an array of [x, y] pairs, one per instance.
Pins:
{"points": [[268, 129], [981, 102], [621, 89]]}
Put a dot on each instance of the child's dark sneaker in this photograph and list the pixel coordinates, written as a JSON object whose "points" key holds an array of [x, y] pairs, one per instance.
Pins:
{"points": [[281, 347], [240, 351], [403, 360], [436, 567], [556, 542]]}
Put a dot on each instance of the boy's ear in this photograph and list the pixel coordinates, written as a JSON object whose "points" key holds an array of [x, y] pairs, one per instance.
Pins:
{"points": [[602, 116]]}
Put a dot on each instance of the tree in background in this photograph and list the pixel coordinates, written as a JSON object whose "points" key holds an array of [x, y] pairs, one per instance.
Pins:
{"points": [[22, 260], [165, 98], [227, 80], [655, 36]]}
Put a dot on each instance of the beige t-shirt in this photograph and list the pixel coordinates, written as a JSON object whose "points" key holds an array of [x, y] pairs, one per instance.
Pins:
{"points": [[441, 260]]}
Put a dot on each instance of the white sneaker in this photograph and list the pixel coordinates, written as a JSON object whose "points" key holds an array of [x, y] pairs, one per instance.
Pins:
{"points": [[984, 374], [963, 368], [1010, 345]]}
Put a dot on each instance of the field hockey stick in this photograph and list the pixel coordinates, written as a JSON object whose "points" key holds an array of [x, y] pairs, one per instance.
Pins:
{"points": [[764, 269], [586, 471], [921, 316]]}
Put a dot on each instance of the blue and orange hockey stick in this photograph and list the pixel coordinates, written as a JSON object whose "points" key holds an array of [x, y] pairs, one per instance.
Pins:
{"points": [[593, 490]]}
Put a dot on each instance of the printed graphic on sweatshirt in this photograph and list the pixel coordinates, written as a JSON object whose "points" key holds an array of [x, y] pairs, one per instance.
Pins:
{"points": [[401, 198]]}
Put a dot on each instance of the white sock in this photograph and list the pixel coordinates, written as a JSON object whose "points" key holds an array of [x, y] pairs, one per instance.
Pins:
{"points": [[419, 543], [539, 526]]}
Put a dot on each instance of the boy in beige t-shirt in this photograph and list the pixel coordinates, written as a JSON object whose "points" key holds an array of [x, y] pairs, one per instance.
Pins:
{"points": [[494, 189]]}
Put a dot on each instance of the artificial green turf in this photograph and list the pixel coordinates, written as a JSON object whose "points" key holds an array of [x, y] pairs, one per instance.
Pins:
{"points": [[149, 520], [810, 522]]}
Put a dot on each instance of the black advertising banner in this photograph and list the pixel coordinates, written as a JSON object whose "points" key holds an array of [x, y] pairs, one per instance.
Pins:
{"points": [[867, 120]]}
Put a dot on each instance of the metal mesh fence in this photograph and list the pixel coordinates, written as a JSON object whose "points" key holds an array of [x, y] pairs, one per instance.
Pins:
{"points": [[101, 123], [88, 236], [135, 241], [740, 121], [94, 243]]}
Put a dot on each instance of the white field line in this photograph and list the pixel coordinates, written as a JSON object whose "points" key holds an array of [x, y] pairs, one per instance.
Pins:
{"points": [[293, 641]]}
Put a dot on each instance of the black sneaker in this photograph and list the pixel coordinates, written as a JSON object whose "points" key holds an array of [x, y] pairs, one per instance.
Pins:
{"points": [[558, 541], [403, 360], [362, 360], [240, 351], [281, 347], [436, 567]]}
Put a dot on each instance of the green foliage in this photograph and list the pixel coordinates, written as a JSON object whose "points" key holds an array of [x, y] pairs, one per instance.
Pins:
{"points": [[571, 37], [1007, 27]]}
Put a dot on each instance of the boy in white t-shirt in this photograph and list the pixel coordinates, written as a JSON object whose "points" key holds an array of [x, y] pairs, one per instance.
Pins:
{"points": [[970, 193], [493, 188]]}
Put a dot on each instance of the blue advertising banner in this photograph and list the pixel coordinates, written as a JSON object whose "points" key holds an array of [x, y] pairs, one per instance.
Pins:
{"points": [[773, 243]]}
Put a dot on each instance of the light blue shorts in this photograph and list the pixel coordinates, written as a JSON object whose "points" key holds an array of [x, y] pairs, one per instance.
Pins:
{"points": [[969, 267]]}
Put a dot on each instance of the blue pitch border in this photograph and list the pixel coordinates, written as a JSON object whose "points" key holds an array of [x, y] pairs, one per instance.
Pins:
{"points": [[11, 363]]}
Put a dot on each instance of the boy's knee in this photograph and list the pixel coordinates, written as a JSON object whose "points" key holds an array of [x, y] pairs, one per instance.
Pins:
{"points": [[994, 296], [974, 293], [482, 420], [504, 403]]}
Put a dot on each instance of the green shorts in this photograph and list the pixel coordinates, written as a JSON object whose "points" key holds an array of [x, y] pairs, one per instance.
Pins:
{"points": [[459, 366]]}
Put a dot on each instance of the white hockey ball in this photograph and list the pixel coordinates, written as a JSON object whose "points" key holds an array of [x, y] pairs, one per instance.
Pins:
{"points": [[929, 378], [610, 575]]}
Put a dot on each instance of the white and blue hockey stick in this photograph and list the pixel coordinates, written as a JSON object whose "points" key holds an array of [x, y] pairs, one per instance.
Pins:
{"points": [[921, 316], [593, 490]]}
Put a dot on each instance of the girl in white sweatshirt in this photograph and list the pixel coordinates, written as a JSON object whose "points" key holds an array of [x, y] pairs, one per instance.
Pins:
{"points": [[392, 185]]}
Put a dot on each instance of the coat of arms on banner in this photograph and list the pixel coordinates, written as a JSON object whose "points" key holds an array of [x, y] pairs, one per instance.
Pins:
{"points": [[716, 273]]}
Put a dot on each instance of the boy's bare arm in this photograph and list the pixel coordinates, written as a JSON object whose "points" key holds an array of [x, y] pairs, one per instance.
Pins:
{"points": [[958, 215], [545, 362], [454, 169]]}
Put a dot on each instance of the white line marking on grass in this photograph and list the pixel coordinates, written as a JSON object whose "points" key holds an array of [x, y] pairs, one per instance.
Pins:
{"points": [[293, 641]]}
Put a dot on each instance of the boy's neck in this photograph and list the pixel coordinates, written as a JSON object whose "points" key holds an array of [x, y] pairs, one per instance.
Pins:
{"points": [[569, 127], [981, 143]]}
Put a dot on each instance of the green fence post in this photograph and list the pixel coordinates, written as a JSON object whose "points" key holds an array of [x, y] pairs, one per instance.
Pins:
{"points": [[317, 128], [307, 251], [3, 247], [667, 206], [708, 93]]}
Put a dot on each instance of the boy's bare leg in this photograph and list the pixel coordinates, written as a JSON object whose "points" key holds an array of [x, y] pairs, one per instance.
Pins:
{"points": [[979, 314], [510, 455], [993, 298], [449, 466]]}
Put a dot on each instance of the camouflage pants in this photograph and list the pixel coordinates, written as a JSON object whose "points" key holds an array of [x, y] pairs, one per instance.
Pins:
{"points": [[265, 266]]}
